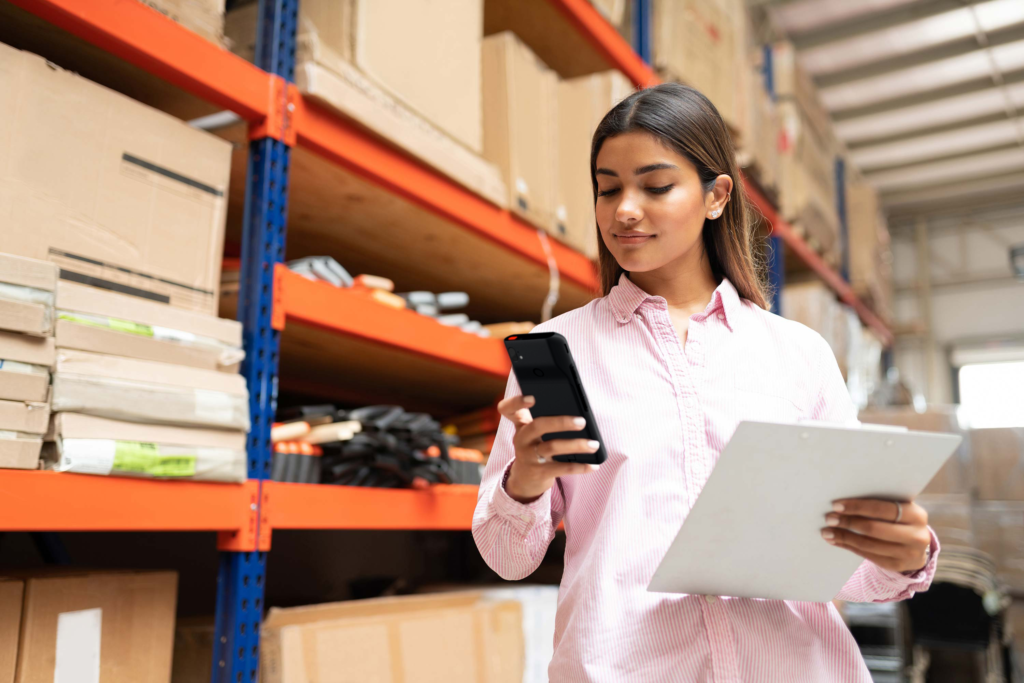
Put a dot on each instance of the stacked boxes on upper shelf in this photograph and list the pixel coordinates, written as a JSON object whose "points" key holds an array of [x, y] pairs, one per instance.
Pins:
{"points": [[808, 149], [205, 17], [870, 254], [120, 208], [430, 107], [26, 357]]}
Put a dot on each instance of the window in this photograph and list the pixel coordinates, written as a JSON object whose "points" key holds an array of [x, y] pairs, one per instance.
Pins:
{"points": [[992, 394]]}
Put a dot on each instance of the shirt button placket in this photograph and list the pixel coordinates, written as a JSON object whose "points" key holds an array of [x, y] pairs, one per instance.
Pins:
{"points": [[724, 664]]}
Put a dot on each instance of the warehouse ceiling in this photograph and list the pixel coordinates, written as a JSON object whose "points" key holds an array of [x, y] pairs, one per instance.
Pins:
{"points": [[928, 95]]}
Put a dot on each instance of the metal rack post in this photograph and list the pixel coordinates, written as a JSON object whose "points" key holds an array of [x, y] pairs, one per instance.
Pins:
{"points": [[240, 580], [776, 247], [844, 226], [643, 20]]}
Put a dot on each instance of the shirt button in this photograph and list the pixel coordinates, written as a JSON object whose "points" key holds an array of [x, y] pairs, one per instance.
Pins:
{"points": [[721, 316], [710, 598]]}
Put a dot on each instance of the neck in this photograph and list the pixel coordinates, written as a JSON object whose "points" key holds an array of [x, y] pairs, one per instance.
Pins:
{"points": [[687, 287]]}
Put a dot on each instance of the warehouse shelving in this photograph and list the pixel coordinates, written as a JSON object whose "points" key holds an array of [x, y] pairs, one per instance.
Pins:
{"points": [[301, 506], [278, 119]]}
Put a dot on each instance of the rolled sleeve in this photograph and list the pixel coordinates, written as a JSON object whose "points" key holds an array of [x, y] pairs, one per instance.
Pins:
{"points": [[871, 583], [523, 517]]}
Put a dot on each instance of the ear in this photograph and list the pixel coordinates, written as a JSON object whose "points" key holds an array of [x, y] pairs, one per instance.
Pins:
{"points": [[718, 197]]}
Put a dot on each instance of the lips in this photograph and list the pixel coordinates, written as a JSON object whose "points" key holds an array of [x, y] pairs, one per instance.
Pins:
{"points": [[634, 238]]}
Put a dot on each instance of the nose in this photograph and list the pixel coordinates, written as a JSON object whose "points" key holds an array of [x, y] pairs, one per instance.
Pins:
{"points": [[628, 211]]}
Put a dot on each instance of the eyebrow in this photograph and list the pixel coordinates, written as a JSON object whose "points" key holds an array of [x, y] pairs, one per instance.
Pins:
{"points": [[640, 171]]}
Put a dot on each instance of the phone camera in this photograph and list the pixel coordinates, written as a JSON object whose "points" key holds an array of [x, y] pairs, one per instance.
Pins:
{"points": [[512, 354], [538, 372]]}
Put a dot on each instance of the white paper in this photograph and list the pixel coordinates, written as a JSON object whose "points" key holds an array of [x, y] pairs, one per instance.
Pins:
{"points": [[78, 646], [755, 530], [87, 456]]}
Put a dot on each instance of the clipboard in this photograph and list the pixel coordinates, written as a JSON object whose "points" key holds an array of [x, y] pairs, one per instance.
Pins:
{"points": [[755, 530]]}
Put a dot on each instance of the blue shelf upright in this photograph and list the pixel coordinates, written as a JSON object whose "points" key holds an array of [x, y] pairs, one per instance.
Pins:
{"points": [[776, 247], [643, 38], [241, 577]]}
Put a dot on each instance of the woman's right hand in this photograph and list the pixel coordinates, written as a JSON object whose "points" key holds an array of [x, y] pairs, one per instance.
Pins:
{"points": [[533, 471]]}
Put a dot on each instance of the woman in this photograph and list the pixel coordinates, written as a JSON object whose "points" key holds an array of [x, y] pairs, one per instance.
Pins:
{"points": [[678, 351]]}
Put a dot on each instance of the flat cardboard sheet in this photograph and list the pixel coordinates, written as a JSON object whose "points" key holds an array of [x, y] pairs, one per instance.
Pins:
{"points": [[755, 531]]}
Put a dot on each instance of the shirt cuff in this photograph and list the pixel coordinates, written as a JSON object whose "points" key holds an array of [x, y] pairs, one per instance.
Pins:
{"points": [[522, 516], [919, 580]]}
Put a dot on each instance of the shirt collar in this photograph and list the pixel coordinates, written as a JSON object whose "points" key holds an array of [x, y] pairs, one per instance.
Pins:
{"points": [[626, 297]]}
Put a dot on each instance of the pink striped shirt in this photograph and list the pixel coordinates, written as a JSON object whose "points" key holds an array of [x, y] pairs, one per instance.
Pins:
{"points": [[665, 412]]}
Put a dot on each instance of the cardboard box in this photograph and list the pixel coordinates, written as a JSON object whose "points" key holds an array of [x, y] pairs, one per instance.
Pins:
{"points": [[193, 650], [25, 417], [999, 531], [344, 89], [582, 104], [442, 84], [395, 639], [955, 475], [807, 186], [793, 84], [78, 298], [84, 337], [25, 384], [102, 626], [20, 453], [949, 515], [11, 595], [119, 195], [81, 426], [814, 304], [27, 349], [998, 458], [521, 126], [149, 392], [757, 148], [696, 42], [28, 272], [205, 17], [26, 317], [869, 248]]}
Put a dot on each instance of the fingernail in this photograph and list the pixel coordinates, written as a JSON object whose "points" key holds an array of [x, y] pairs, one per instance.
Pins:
{"points": [[529, 400], [827, 534], [579, 422], [832, 520], [593, 445], [838, 507]]}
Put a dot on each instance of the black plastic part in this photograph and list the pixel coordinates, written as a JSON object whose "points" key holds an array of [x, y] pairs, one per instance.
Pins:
{"points": [[557, 388]]}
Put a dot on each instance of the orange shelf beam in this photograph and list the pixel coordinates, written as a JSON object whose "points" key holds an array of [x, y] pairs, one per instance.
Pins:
{"points": [[312, 506], [353, 312], [793, 241], [146, 38], [55, 501], [342, 143], [607, 41]]}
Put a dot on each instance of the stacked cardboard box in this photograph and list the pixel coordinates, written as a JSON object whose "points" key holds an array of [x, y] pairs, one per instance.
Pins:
{"points": [[205, 17], [757, 148], [582, 103], [808, 148], [26, 357], [136, 227], [143, 389], [430, 106], [395, 639], [998, 460], [87, 626], [870, 253], [814, 304], [697, 42], [521, 127], [955, 475]]}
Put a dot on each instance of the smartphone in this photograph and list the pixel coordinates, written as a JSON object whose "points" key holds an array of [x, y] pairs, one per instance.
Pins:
{"points": [[546, 371]]}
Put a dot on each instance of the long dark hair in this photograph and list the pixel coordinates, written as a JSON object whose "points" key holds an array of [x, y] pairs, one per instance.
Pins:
{"points": [[688, 123]]}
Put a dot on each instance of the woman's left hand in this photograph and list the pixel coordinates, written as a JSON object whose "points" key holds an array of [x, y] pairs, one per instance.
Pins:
{"points": [[894, 537]]}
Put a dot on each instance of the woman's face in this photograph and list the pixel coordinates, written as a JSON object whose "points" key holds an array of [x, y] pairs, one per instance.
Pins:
{"points": [[650, 205]]}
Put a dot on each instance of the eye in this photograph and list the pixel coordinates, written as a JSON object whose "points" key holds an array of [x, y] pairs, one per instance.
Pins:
{"points": [[660, 190], [605, 193]]}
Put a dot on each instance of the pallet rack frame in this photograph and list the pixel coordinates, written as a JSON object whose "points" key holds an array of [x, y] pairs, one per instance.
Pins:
{"points": [[265, 96]]}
